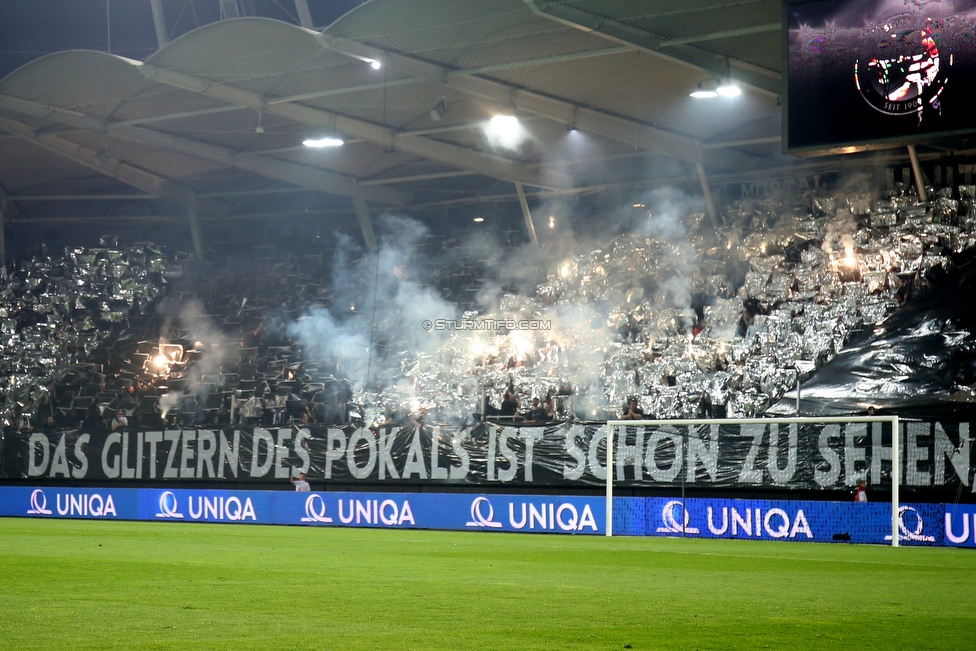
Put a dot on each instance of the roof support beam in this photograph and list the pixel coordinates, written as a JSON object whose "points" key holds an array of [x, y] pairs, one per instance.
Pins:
{"points": [[179, 219], [301, 175], [745, 142], [673, 50], [465, 72], [304, 15], [527, 214], [414, 177], [191, 215], [365, 223], [605, 124], [82, 197], [707, 191], [556, 58], [307, 177], [610, 126], [117, 169], [728, 33], [406, 81], [494, 166], [3, 234], [159, 20]]}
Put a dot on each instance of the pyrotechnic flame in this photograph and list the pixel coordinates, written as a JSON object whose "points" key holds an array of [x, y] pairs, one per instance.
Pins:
{"points": [[522, 345], [849, 259], [477, 348]]}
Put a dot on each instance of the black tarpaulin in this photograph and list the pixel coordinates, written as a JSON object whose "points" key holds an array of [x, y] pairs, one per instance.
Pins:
{"points": [[920, 362]]}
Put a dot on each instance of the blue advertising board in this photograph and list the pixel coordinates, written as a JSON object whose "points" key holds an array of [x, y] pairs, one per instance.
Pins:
{"points": [[98, 503], [452, 511], [960, 525], [804, 521]]}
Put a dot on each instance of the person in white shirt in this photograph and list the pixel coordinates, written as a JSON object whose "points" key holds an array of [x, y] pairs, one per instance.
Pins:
{"points": [[120, 421], [301, 485]]}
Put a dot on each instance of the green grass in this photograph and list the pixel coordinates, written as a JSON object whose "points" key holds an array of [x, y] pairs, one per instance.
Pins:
{"points": [[81, 584]]}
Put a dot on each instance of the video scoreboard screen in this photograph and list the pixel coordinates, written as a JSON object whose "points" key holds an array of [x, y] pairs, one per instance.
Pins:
{"points": [[863, 73]]}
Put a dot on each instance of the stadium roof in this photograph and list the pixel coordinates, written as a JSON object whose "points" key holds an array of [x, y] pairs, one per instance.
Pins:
{"points": [[215, 119]]}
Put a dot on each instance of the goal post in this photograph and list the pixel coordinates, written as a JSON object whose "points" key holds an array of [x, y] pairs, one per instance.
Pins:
{"points": [[614, 425]]}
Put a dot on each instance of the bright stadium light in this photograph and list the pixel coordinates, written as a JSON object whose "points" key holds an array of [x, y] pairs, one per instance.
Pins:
{"points": [[728, 89], [505, 131], [503, 121], [319, 143], [706, 90]]}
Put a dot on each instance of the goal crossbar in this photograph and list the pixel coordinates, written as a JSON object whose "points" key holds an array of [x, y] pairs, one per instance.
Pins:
{"points": [[614, 425]]}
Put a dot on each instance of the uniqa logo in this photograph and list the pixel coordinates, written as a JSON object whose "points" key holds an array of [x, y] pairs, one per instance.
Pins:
{"points": [[221, 508], [38, 504], [315, 510], [907, 515], [670, 521], [776, 523], [86, 505], [478, 518], [375, 512], [549, 516], [168, 506]]}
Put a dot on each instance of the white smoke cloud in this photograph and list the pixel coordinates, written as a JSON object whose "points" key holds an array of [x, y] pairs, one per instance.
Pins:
{"points": [[505, 133], [188, 323], [380, 305]]}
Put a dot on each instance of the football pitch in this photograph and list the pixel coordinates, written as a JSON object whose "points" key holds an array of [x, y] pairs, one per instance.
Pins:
{"points": [[80, 584]]}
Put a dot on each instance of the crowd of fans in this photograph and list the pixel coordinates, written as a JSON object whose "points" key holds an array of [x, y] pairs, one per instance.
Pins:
{"points": [[116, 338], [120, 344]]}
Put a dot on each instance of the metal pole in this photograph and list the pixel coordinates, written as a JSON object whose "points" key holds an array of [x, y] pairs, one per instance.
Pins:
{"points": [[304, 15], [609, 525], [895, 478], [529, 225], [919, 183], [728, 33], [362, 213], [159, 20], [191, 214], [3, 235], [684, 513], [709, 204], [798, 391]]}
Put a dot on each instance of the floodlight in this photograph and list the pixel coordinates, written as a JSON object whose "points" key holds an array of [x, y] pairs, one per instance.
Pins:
{"points": [[323, 142], [504, 121], [706, 90], [728, 89]]}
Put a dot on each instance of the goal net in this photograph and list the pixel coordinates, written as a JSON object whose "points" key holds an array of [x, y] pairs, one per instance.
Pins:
{"points": [[768, 456]]}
